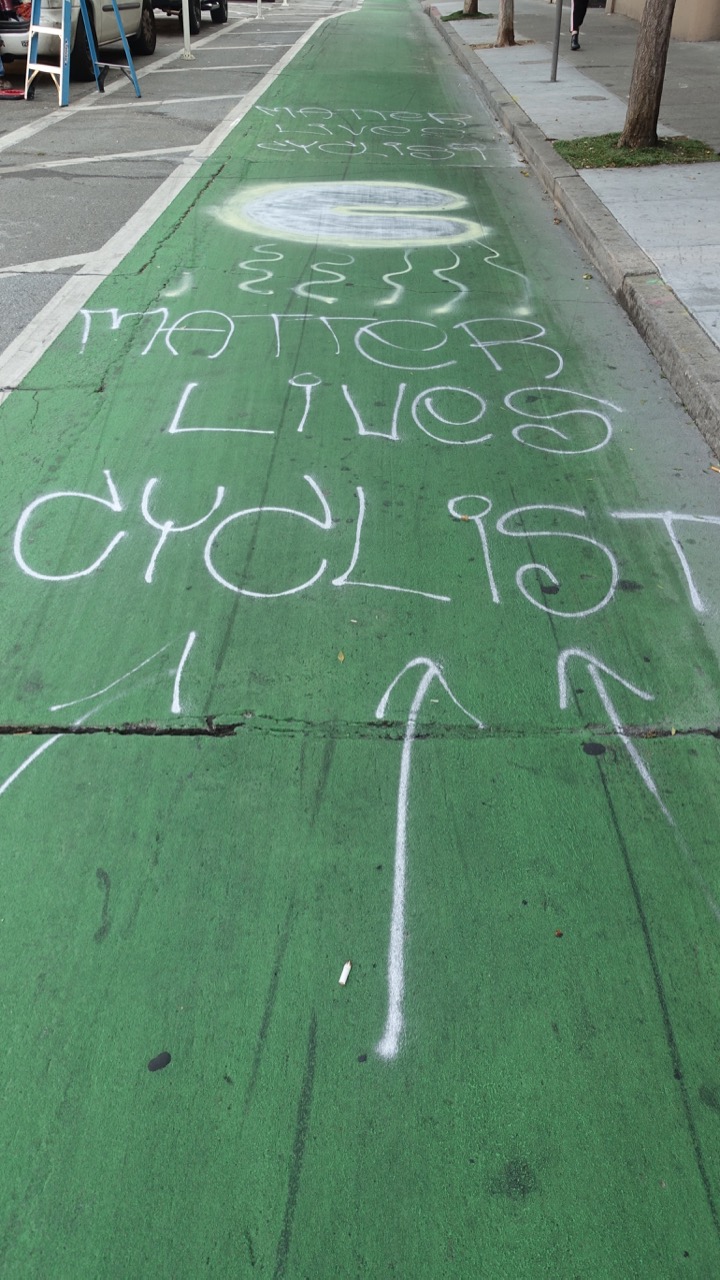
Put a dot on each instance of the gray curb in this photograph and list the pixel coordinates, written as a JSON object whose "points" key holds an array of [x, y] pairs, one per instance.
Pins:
{"points": [[685, 353]]}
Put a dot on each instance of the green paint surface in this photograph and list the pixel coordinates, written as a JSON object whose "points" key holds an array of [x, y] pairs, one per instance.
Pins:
{"points": [[189, 872]]}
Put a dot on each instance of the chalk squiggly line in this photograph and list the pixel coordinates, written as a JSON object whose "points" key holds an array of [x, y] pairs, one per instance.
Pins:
{"points": [[491, 261], [304, 290], [462, 289], [253, 264], [398, 289]]}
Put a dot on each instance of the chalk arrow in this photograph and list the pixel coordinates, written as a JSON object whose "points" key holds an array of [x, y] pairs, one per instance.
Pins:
{"points": [[595, 667], [389, 1045]]}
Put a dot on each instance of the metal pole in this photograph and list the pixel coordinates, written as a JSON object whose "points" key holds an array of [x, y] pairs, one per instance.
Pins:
{"points": [[556, 42], [185, 9], [259, 13]]}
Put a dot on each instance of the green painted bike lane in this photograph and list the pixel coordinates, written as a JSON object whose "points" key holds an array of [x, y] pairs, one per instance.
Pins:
{"points": [[345, 606]]}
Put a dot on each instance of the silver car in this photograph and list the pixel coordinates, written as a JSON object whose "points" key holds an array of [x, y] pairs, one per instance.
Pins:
{"points": [[138, 19]]}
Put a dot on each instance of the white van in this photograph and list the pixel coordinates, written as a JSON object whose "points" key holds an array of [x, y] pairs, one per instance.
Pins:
{"points": [[138, 19]]}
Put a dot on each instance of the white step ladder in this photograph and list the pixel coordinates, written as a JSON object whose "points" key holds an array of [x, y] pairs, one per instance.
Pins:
{"points": [[60, 71]]}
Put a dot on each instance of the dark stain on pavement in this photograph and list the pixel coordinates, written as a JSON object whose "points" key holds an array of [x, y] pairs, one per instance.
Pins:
{"points": [[516, 1180], [710, 1095], [103, 880], [251, 1251], [160, 1062]]}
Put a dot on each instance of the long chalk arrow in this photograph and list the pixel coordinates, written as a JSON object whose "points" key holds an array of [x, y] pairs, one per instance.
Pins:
{"points": [[389, 1045], [594, 667]]}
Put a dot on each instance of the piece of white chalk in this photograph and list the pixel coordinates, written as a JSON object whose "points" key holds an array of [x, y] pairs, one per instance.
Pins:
{"points": [[345, 973]]}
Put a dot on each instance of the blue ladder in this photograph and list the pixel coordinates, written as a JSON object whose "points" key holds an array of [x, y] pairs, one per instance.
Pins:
{"points": [[101, 68], [58, 71]]}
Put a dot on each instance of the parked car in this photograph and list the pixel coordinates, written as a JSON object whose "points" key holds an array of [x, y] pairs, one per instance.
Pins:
{"points": [[218, 10], [138, 19]]}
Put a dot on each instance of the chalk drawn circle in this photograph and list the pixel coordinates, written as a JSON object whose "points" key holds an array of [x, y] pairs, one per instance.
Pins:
{"points": [[469, 515], [212, 545], [425, 399], [355, 214]]}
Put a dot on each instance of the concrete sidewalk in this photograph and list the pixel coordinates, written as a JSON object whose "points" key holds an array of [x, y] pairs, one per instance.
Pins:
{"points": [[654, 233]]}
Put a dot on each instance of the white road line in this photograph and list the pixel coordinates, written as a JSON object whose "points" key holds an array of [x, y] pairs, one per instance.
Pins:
{"points": [[46, 265], [253, 66], [166, 102], [25, 351], [83, 160]]}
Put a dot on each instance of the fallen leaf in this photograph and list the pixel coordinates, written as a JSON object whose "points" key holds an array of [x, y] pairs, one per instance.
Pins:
{"points": [[341, 656], [587, 276]]}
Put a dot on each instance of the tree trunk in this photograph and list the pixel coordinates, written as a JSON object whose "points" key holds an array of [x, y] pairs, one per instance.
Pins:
{"points": [[648, 75], [470, 8], [506, 28]]}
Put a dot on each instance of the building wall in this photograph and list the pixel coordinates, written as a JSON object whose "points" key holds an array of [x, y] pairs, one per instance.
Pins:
{"points": [[693, 20]]}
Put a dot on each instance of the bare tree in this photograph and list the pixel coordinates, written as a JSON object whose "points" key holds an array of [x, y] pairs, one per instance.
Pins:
{"points": [[506, 24], [648, 75]]}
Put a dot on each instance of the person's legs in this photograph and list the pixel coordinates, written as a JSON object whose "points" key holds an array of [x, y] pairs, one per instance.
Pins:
{"points": [[7, 89], [578, 9]]}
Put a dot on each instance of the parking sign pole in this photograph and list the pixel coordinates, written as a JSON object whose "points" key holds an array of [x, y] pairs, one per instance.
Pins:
{"points": [[556, 41], [185, 9]]}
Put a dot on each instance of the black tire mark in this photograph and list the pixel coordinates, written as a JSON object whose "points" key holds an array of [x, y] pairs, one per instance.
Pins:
{"points": [[674, 1052], [268, 1010], [103, 880], [302, 1125]]}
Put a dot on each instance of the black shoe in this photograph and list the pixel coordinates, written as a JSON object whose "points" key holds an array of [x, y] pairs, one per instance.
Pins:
{"points": [[574, 42]]}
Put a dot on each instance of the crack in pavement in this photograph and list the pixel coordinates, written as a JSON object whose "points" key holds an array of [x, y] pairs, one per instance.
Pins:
{"points": [[391, 730]]}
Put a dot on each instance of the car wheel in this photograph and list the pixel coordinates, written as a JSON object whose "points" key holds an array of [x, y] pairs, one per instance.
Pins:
{"points": [[81, 61], [144, 42], [220, 12], [195, 15]]}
